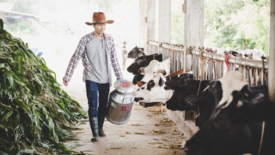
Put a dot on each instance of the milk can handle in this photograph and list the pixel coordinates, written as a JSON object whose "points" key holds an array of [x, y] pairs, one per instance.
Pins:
{"points": [[126, 98]]}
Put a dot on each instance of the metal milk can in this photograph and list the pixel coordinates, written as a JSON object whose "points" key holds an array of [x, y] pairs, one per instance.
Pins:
{"points": [[121, 103]]}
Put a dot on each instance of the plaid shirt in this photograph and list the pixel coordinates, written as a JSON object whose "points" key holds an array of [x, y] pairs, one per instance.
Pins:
{"points": [[82, 53]]}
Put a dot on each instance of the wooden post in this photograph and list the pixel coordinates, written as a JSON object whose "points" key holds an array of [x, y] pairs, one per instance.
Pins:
{"points": [[142, 23], [164, 21], [193, 33], [193, 28], [150, 24], [271, 62]]}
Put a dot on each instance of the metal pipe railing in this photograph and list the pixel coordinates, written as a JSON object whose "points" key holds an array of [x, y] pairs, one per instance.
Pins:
{"points": [[234, 60], [208, 65]]}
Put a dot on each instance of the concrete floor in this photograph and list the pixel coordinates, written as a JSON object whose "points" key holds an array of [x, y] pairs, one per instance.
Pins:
{"points": [[148, 132]]}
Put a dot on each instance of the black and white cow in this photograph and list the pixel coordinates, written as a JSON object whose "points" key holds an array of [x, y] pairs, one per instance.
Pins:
{"points": [[233, 127], [143, 61], [215, 94], [154, 68], [182, 88], [135, 52], [153, 91], [139, 62]]}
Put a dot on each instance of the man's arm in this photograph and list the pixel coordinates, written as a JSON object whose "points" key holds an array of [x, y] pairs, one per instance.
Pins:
{"points": [[114, 61], [74, 61]]}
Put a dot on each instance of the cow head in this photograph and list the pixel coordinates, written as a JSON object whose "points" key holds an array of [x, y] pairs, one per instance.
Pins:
{"points": [[178, 81], [135, 52], [142, 61], [139, 62], [153, 90], [155, 67]]}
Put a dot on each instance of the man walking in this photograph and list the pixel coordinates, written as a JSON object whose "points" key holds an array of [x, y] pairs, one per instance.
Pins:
{"points": [[98, 53]]}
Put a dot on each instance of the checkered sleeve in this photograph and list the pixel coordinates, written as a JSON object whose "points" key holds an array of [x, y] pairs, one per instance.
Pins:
{"points": [[114, 61], [75, 59]]}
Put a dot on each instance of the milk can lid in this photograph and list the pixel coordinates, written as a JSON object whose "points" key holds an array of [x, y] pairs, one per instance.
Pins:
{"points": [[125, 86]]}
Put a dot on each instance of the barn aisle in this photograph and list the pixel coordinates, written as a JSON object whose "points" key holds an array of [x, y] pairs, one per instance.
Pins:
{"points": [[148, 132]]}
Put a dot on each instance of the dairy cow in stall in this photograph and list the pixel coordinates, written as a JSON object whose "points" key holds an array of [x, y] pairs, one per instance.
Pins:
{"points": [[237, 126], [183, 86], [187, 97], [153, 90], [154, 68], [135, 52], [142, 61]]}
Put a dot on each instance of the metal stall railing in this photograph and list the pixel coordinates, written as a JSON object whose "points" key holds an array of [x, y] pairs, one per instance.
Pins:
{"points": [[210, 65], [175, 53], [172, 51], [152, 47]]}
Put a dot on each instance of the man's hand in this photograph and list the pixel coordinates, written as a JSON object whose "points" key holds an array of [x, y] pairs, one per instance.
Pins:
{"points": [[65, 82], [116, 84]]}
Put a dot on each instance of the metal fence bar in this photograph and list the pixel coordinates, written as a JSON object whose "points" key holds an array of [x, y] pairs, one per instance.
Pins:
{"points": [[213, 69]]}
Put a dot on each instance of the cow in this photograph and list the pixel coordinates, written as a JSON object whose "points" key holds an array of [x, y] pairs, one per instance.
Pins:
{"points": [[208, 100], [237, 139], [216, 93], [233, 127], [154, 68], [153, 91], [184, 86], [135, 52], [176, 81], [143, 61]]}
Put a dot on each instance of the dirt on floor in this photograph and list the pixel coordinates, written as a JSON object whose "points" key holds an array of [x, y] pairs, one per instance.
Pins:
{"points": [[148, 132]]}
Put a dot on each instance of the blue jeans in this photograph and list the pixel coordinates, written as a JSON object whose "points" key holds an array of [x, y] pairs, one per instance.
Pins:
{"points": [[103, 90]]}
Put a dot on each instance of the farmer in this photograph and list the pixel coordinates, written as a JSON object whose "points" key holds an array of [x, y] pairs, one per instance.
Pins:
{"points": [[98, 54]]}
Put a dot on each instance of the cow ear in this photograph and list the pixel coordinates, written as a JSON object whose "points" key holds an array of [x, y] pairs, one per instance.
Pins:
{"points": [[150, 84], [192, 101], [161, 82]]}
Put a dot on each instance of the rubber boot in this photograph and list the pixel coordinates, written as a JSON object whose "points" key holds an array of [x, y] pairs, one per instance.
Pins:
{"points": [[94, 127], [101, 119]]}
